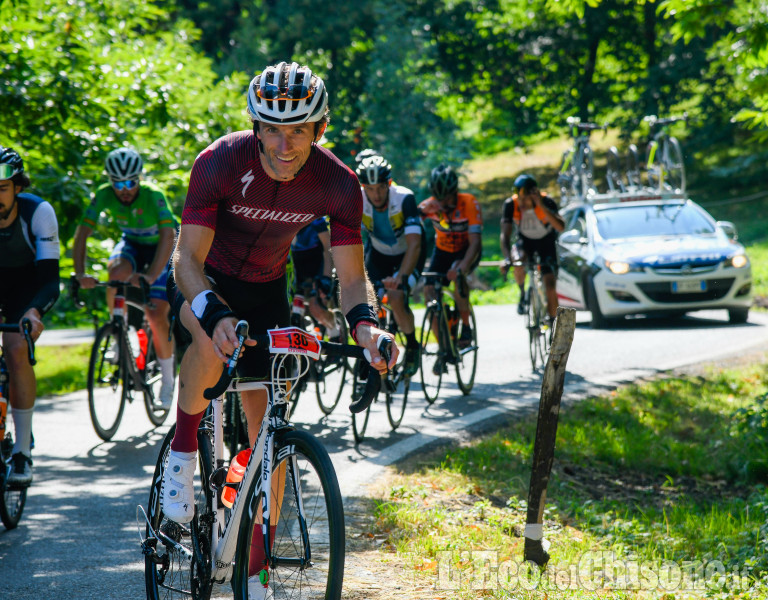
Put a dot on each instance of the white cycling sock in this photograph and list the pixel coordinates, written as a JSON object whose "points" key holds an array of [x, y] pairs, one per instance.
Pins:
{"points": [[166, 367], [22, 422]]}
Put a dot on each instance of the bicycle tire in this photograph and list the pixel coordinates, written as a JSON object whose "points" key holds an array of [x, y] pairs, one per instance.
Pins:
{"points": [[175, 580], [398, 397], [359, 420], [308, 522], [535, 335], [674, 166], [613, 171], [332, 371], [633, 166], [432, 356], [235, 424], [466, 367], [12, 497], [587, 170], [153, 378], [107, 389]]}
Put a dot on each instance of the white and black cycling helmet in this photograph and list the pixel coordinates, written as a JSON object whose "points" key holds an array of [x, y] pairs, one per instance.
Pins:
{"points": [[287, 93], [123, 164], [11, 163], [443, 181], [374, 169], [367, 153]]}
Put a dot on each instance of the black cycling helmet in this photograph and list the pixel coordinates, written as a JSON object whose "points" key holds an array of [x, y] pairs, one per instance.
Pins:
{"points": [[525, 181], [11, 163], [443, 181], [374, 169]]}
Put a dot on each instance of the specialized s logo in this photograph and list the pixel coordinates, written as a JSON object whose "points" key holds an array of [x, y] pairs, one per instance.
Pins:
{"points": [[247, 178]]}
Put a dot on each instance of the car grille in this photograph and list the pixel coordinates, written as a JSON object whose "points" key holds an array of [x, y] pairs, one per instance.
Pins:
{"points": [[662, 292], [687, 268]]}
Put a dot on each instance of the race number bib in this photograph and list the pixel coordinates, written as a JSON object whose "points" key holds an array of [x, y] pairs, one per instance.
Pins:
{"points": [[293, 340]]}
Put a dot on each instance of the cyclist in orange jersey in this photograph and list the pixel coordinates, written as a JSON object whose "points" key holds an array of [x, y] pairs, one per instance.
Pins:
{"points": [[458, 224]]}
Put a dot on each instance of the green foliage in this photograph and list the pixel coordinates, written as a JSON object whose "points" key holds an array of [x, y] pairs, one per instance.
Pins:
{"points": [[61, 369]]}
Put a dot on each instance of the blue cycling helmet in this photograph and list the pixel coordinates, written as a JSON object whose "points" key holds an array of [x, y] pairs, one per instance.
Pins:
{"points": [[525, 181]]}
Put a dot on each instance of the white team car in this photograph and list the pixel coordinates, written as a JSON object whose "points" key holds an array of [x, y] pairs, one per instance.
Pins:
{"points": [[641, 253]]}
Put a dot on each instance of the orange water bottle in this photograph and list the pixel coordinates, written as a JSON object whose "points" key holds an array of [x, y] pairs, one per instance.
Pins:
{"points": [[141, 356], [235, 475]]}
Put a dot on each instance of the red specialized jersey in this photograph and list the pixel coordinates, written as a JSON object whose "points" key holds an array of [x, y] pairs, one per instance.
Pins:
{"points": [[255, 217]]}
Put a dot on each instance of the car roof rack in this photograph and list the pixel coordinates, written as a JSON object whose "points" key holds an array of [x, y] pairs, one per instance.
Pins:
{"points": [[638, 194]]}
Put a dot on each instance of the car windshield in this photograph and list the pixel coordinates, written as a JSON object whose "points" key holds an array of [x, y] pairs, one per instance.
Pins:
{"points": [[652, 220]]}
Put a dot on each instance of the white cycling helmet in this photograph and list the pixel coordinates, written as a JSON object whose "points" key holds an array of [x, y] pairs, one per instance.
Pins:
{"points": [[287, 93], [124, 163]]}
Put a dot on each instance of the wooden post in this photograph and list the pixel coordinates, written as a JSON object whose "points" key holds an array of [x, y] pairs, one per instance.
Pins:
{"points": [[546, 431]]}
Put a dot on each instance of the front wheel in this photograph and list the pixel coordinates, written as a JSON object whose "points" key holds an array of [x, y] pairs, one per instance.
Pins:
{"points": [[107, 390], [467, 364], [432, 355], [674, 168], [153, 379], [306, 530], [738, 316], [331, 371], [613, 171], [359, 420], [397, 393], [12, 497], [535, 321]]}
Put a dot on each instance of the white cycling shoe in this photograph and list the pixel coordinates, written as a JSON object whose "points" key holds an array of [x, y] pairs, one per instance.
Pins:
{"points": [[179, 487]]}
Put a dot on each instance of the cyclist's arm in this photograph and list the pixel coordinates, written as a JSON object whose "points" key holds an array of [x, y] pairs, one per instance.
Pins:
{"points": [[550, 210], [47, 277], [162, 253], [411, 257], [475, 244], [507, 229], [325, 240], [79, 249]]}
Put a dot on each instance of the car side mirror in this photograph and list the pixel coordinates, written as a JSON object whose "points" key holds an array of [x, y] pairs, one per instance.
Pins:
{"points": [[729, 229], [572, 236]]}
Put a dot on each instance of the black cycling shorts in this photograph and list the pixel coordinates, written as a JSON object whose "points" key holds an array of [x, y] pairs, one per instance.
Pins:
{"points": [[263, 305], [442, 261], [380, 266], [307, 264], [524, 249]]}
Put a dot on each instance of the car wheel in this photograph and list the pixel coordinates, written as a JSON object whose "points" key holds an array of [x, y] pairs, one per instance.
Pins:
{"points": [[599, 320], [738, 315]]}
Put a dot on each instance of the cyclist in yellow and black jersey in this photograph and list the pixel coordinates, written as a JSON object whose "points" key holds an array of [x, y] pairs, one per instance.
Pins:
{"points": [[395, 244]]}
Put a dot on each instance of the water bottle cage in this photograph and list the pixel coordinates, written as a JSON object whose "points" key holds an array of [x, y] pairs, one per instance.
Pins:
{"points": [[218, 479]]}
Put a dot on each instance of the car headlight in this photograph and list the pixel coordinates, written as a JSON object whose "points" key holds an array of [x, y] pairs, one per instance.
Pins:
{"points": [[619, 267], [737, 261]]}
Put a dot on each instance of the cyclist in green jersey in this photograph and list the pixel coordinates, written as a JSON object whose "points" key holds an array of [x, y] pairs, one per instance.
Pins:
{"points": [[148, 226]]}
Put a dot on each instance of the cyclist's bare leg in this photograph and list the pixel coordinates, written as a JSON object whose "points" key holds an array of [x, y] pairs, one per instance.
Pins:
{"points": [[462, 303], [403, 314], [22, 385], [157, 315], [520, 276], [550, 288]]}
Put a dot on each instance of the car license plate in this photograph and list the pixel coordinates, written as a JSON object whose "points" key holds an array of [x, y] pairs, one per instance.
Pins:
{"points": [[688, 286]]}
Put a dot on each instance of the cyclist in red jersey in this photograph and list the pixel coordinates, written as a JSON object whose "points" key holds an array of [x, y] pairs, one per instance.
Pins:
{"points": [[249, 193]]}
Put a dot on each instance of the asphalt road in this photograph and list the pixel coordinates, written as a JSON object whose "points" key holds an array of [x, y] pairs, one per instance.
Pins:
{"points": [[79, 539]]}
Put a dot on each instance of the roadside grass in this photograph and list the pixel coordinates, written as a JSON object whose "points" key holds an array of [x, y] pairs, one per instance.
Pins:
{"points": [[61, 369], [758, 256], [669, 470]]}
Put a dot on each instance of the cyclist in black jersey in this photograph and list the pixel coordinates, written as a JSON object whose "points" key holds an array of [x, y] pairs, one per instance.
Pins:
{"points": [[395, 245], [29, 286]]}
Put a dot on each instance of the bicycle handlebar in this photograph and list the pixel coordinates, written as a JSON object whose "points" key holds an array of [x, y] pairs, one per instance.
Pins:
{"points": [[654, 121], [74, 288], [26, 326], [372, 386], [577, 123]]}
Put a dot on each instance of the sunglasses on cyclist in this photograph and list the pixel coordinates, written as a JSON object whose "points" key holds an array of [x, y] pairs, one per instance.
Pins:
{"points": [[128, 184], [6, 171], [295, 91]]}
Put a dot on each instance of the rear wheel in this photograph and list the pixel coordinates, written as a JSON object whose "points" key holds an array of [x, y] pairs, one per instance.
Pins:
{"points": [[673, 165], [306, 524], [432, 356], [331, 371], [633, 166], [107, 390], [359, 420], [653, 165], [235, 424], [12, 497], [467, 365], [613, 171], [153, 378]]}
